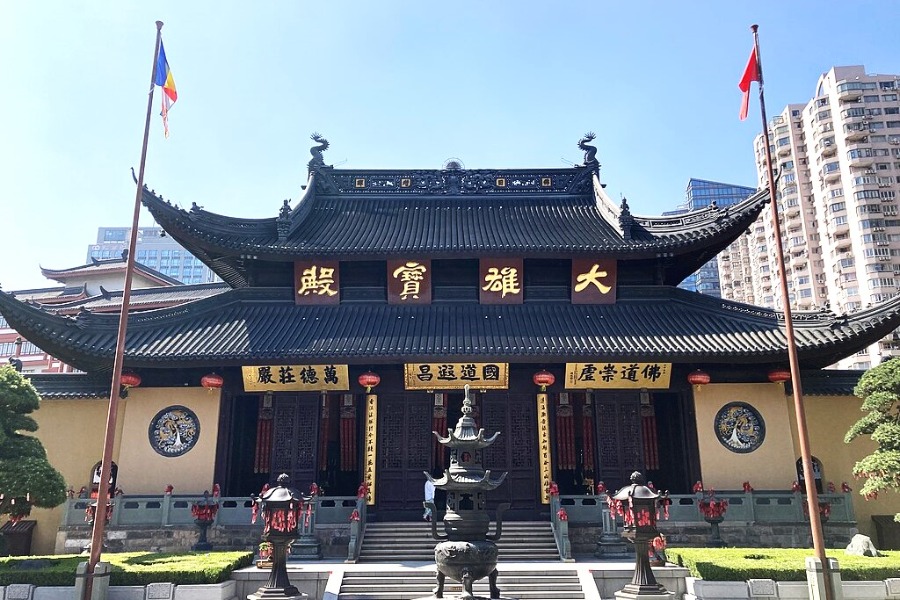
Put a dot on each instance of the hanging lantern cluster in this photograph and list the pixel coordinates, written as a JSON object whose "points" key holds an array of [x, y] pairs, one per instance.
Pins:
{"points": [[543, 378], [280, 507], [369, 380], [16, 507], [779, 375], [698, 377], [212, 381]]}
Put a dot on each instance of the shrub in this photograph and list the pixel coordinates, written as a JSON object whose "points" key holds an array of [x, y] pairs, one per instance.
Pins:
{"points": [[781, 564], [129, 568]]}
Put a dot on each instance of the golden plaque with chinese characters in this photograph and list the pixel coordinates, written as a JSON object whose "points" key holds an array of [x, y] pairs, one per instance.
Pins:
{"points": [[295, 378], [611, 376], [454, 376]]}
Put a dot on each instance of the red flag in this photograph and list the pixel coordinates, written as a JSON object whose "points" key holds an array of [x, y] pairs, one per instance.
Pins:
{"points": [[751, 73]]}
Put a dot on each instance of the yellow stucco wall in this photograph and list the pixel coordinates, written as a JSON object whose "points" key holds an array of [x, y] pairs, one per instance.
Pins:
{"points": [[771, 466], [828, 418], [141, 469], [72, 432]]}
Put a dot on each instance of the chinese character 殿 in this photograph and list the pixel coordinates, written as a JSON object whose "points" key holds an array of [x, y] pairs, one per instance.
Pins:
{"points": [[313, 283]]}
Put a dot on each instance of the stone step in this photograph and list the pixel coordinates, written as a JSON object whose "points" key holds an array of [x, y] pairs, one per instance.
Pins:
{"points": [[393, 542], [523, 585]]}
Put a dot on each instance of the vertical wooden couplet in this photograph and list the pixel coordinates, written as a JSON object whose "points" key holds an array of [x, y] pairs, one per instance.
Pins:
{"points": [[543, 423], [371, 437]]}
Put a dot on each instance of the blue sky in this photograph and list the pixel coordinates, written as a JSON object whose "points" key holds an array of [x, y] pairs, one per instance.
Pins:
{"points": [[390, 84]]}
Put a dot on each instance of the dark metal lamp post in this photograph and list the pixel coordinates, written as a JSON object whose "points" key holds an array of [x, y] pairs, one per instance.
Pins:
{"points": [[281, 509], [637, 504]]}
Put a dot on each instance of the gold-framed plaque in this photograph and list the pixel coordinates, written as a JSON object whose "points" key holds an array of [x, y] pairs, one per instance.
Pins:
{"points": [[295, 378], [454, 376], [617, 376]]}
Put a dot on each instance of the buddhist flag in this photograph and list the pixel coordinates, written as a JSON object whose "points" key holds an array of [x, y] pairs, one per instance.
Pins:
{"points": [[165, 80], [751, 73]]}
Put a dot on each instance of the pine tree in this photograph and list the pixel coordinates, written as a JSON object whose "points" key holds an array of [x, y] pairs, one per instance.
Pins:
{"points": [[26, 477], [879, 388]]}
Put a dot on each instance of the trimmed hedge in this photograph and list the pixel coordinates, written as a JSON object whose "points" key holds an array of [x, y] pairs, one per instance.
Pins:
{"points": [[781, 564], [127, 568]]}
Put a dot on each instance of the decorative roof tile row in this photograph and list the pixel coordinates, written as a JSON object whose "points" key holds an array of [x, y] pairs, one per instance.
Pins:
{"points": [[260, 325]]}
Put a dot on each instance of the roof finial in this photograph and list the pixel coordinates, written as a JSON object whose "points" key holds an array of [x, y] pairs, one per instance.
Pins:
{"points": [[317, 161], [590, 152], [625, 219], [283, 222]]}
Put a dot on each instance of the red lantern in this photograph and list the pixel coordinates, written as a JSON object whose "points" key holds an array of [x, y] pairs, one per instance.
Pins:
{"points": [[212, 381], [369, 380], [698, 377], [779, 375], [131, 380], [543, 378]]}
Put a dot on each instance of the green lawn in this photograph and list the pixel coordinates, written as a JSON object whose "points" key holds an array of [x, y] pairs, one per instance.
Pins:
{"points": [[781, 564], [128, 568]]}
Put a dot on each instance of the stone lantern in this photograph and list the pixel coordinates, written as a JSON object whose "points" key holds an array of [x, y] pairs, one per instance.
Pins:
{"points": [[467, 551], [638, 505], [281, 509]]}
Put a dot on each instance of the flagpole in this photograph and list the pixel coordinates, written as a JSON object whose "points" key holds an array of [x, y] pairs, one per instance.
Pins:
{"points": [[109, 439], [812, 496]]}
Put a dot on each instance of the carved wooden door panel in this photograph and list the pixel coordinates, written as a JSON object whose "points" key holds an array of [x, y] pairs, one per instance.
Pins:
{"points": [[403, 453], [296, 431], [515, 451], [619, 441]]}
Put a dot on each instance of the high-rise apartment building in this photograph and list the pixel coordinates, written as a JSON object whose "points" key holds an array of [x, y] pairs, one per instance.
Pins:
{"points": [[837, 160], [155, 250], [700, 194]]}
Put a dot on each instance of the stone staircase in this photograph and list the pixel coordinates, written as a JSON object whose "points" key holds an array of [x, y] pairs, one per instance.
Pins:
{"points": [[417, 583], [412, 542]]}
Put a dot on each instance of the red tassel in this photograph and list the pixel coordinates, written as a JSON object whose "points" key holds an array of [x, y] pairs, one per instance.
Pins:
{"points": [[588, 437]]}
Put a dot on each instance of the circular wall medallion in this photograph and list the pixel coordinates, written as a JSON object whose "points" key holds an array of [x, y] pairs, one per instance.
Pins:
{"points": [[740, 427], [174, 430]]}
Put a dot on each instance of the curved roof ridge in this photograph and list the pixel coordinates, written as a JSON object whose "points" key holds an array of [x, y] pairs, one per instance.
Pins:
{"points": [[751, 203], [216, 221], [230, 328]]}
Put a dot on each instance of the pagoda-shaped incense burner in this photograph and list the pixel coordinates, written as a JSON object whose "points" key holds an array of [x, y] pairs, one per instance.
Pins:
{"points": [[467, 551]]}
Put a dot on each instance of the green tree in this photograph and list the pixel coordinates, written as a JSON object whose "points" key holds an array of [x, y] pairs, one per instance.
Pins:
{"points": [[26, 477], [879, 388]]}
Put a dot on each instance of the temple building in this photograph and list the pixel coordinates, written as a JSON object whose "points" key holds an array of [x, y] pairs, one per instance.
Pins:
{"points": [[356, 315]]}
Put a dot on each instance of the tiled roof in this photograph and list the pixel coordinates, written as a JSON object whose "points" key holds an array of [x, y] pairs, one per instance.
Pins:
{"points": [[334, 219], [259, 325], [112, 265], [829, 382], [69, 385], [145, 298]]}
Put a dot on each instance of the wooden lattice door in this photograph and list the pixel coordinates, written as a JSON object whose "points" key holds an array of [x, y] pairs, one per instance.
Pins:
{"points": [[515, 451], [619, 437], [296, 431], [404, 451]]}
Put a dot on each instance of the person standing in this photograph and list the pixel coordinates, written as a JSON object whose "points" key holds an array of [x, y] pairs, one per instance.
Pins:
{"points": [[429, 498]]}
